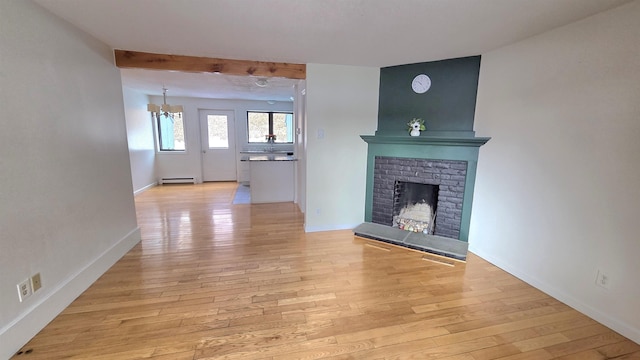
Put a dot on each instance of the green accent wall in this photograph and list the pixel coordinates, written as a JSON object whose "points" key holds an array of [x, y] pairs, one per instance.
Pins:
{"points": [[447, 108]]}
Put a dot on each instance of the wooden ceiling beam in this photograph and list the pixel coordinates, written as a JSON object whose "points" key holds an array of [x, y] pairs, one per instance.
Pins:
{"points": [[150, 61]]}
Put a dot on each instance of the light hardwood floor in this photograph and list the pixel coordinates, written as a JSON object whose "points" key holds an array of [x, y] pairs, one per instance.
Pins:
{"points": [[212, 280]]}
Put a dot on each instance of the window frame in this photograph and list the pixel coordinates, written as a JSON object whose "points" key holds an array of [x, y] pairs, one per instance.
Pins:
{"points": [[226, 116], [270, 113], [158, 133]]}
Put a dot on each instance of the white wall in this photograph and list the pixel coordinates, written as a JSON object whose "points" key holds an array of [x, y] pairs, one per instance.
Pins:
{"points": [[301, 145], [142, 152], [182, 164], [66, 199], [342, 103], [557, 195]]}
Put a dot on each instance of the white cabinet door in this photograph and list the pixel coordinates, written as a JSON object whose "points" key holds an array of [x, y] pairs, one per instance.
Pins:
{"points": [[272, 181]]}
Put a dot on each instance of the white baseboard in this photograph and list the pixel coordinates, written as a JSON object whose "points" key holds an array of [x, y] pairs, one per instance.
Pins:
{"points": [[621, 327], [330, 227], [145, 188], [28, 324]]}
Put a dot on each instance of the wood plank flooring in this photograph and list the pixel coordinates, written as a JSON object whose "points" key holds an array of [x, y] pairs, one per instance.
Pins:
{"points": [[212, 280]]}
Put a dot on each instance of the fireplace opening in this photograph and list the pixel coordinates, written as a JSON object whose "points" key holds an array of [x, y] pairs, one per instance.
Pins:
{"points": [[415, 206]]}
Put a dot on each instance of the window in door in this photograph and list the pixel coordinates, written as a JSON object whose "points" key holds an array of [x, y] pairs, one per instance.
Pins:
{"points": [[218, 131], [170, 130], [262, 124]]}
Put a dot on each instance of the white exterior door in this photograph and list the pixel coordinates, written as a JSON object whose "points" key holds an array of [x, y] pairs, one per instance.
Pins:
{"points": [[217, 129]]}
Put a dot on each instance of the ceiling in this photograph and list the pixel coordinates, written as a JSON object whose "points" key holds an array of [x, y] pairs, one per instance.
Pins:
{"points": [[207, 85], [374, 33]]}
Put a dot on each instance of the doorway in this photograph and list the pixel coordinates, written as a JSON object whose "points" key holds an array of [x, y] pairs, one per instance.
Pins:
{"points": [[217, 129]]}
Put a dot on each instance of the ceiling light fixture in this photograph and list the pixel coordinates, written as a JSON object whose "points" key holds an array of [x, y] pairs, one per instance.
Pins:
{"points": [[261, 82], [168, 110]]}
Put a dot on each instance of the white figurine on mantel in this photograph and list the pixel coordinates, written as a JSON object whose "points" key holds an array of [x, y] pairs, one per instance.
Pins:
{"points": [[415, 126]]}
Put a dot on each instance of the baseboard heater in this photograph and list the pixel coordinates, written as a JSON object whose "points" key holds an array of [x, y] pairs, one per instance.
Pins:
{"points": [[177, 180]]}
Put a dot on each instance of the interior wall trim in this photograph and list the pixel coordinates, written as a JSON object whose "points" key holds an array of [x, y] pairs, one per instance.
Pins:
{"points": [[19, 331]]}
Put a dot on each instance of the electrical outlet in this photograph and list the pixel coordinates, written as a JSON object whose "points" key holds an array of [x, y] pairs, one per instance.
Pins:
{"points": [[24, 290], [36, 283], [602, 279]]}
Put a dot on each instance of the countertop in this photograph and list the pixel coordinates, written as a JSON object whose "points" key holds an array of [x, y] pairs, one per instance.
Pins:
{"points": [[269, 157], [269, 152]]}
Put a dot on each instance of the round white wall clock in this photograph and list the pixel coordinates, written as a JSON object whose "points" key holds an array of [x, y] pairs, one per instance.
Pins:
{"points": [[421, 83]]}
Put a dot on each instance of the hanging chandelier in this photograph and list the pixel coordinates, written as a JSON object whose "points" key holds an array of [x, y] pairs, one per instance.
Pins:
{"points": [[166, 109]]}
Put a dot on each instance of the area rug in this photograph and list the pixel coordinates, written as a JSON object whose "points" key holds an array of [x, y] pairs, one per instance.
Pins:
{"points": [[243, 195]]}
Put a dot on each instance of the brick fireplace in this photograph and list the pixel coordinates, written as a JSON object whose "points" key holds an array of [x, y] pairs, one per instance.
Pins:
{"points": [[443, 156], [441, 159], [447, 175]]}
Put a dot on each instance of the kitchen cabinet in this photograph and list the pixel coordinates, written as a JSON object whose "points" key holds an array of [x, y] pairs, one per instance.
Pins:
{"points": [[271, 177]]}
